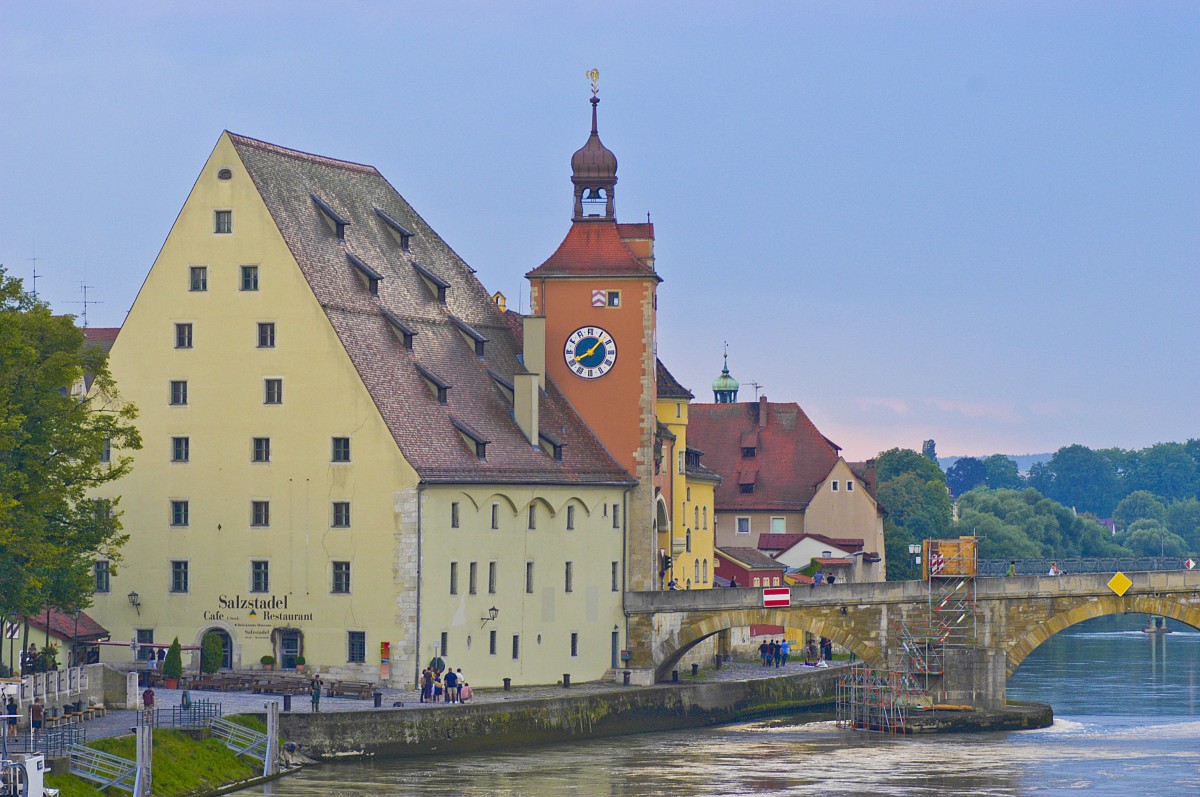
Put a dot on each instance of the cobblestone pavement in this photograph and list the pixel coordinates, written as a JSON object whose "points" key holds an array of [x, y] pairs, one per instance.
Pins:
{"points": [[117, 723]]}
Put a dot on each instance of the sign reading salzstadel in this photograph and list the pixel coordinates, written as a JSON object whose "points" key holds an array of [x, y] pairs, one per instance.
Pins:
{"points": [[264, 612]]}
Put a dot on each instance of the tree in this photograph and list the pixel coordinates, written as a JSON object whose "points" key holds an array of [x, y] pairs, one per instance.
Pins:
{"points": [[1168, 471], [1139, 505], [897, 461], [173, 663], [51, 443], [929, 450], [1001, 473], [1151, 538], [1183, 519], [966, 474], [1082, 479], [212, 653], [1025, 524]]}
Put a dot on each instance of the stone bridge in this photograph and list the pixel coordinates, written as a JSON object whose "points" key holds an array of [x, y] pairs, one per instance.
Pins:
{"points": [[1013, 616]]}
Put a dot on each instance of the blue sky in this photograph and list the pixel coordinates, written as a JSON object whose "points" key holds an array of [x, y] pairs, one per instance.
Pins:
{"points": [[977, 222]]}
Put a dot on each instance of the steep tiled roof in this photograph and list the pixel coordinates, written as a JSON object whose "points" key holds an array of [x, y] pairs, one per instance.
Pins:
{"points": [[103, 337], [593, 248], [65, 626], [778, 542], [668, 385], [751, 558], [783, 542], [426, 431], [791, 456]]}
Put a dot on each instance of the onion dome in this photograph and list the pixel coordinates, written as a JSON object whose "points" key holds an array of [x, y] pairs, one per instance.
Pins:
{"points": [[594, 163], [725, 387]]}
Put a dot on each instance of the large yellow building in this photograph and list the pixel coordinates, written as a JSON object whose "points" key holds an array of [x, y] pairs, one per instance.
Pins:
{"points": [[347, 454]]}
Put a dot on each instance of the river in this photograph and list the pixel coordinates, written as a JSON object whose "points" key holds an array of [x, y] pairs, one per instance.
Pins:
{"points": [[1127, 722]]}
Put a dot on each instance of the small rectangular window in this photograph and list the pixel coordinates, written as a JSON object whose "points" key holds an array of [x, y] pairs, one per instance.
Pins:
{"points": [[616, 516], [529, 578], [616, 577], [743, 525], [223, 222], [454, 578], [341, 449], [145, 636], [472, 578], [574, 644], [260, 450], [454, 514], [568, 584], [445, 643], [341, 514], [778, 525], [249, 278], [266, 334], [181, 449], [106, 450], [516, 646], [260, 513], [356, 647], [198, 278], [570, 517], [260, 576], [746, 488], [849, 486], [492, 643], [833, 485], [614, 298], [491, 578], [532, 516], [103, 581], [341, 578], [749, 452], [179, 576], [272, 391], [495, 516], [179, 513], [183, 336], [179, 393]]}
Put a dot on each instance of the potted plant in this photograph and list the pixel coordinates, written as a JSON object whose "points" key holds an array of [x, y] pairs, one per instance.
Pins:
{"points": [[173, 666], [212, 653], [268, 662], [299, 664]]}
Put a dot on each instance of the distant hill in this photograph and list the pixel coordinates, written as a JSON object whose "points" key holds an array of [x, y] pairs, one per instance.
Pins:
{"points": [[1024, 461]]}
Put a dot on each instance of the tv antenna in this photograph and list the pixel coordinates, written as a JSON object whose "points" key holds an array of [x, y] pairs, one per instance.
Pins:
{"points": [[34, 260], [756, 387], [84, 287]]}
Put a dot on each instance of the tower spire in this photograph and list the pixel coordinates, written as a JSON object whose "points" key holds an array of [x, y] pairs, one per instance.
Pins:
{"points": [[594, 169]]}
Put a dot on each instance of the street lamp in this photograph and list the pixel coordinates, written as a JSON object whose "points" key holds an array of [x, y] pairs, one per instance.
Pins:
{"points": [[492, 614], [135, 602]]}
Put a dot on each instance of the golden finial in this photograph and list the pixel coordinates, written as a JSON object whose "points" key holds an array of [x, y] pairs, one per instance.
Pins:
{"points": [[594, 76]]}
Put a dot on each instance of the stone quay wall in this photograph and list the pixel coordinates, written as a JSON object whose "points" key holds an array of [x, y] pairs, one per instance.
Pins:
{"points": [[544, 721]]}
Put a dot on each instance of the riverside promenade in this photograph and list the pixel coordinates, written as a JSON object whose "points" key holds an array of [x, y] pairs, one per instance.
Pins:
{"points": [[120, 722]]}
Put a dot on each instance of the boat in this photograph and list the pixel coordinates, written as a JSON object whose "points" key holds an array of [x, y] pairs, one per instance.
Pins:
{"points": [[1158, 625]]}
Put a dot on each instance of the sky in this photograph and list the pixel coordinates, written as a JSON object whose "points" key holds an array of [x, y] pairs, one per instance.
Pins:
{"points": [[972, 222]]}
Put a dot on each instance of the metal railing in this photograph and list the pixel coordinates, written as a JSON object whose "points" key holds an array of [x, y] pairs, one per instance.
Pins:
{"points": [[54, 742], [104, 769], [238, 738], [197, 717], [1040, 567]]}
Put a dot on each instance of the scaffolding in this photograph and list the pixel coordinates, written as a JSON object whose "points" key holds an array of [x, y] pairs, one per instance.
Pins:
{"points": [[880, 700]]}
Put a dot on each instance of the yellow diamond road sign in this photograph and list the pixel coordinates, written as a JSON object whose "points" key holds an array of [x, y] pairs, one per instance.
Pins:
{"points": [[1120, 583]]}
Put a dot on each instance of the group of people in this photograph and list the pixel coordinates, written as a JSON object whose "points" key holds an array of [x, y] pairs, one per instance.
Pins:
{"points": [[774, 653], [37, 716], [1054, 570], [453, 688], [821, 578]]}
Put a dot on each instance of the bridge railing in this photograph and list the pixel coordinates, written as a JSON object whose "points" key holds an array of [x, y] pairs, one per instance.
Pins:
{"points": [[1040, 567]]}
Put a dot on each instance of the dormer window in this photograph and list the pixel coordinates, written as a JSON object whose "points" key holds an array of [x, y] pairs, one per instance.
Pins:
{"points": [[749, 451], [436, 285], [332, 217], [402, 330], [506, 387], [370, 276], [439, 386], [551, 445], [398, 230], [473, 439], [471, 336]]}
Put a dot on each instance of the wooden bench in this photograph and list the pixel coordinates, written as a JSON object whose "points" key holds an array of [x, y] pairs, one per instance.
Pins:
{"points": [[353, 689]]}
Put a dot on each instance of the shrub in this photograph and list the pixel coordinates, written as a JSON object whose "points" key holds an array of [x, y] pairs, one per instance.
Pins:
{"points": [[300, 662], [173, 663], [212, 653], [267, 660]]}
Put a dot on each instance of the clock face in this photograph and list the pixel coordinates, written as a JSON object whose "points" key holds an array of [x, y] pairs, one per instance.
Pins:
{"points": [[590, 352]]}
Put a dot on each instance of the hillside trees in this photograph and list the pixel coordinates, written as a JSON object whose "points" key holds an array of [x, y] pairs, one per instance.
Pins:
{"points": [[1025, 524], [913, 491], [51, 445]]}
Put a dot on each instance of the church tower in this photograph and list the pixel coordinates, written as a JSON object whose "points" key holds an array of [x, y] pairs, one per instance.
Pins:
{"points": [[597, 294]]}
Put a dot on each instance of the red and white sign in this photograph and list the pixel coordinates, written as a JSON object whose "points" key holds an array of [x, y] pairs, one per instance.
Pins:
{"points": [[11, 630], [936, 562], [777, 596], [1189, 564], [599, 298]]}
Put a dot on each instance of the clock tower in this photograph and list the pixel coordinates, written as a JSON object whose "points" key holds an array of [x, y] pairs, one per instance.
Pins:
{"points": [[597, 294]]}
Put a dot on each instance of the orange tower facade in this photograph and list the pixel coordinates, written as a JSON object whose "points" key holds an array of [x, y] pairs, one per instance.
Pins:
{"points": [[597, 293]]}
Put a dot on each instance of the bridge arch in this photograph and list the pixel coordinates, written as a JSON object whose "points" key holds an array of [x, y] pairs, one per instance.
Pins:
{"points": [[698, 627], [1029, 639]]}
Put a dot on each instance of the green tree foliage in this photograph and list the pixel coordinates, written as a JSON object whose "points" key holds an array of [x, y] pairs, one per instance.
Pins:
{"points": [[1001, 473], [1150, 538], [1025, 524], [929, 450], [51, 532], [1183, 520], [1139, 505], [173, 663], [966, 474], [212, 653], [1168, 470], [913, 491], [1080, 478]]}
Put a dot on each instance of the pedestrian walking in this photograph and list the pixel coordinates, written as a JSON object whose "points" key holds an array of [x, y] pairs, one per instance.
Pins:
{"points": [[784, 650], [11, 710], [764, 650], [314, 691], [777, 652], [37, 715], [148, 703], [1012, 568]]}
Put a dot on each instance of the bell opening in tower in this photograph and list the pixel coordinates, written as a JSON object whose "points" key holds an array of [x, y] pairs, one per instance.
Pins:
{"points": [[595, 202]]}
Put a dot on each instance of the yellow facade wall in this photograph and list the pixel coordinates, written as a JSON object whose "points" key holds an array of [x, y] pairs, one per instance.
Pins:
{"points": [[693, 522]]}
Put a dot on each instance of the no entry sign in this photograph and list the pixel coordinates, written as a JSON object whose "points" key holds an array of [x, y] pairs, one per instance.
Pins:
{"points": [[777, 596]]}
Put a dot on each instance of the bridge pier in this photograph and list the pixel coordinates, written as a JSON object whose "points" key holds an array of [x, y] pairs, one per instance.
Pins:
{"points": [[974, 677]]}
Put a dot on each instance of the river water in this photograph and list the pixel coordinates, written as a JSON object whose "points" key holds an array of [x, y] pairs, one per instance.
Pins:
{"points": [[1127, 722]]}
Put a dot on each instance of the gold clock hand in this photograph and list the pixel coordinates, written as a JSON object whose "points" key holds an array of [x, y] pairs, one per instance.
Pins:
{"points": [[590, 351]]}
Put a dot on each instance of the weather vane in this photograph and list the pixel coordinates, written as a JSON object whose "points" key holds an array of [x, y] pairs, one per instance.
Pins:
{"points": [[594, 76]]}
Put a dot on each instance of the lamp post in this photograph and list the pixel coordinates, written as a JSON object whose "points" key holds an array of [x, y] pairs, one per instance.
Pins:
{"points": [[135, 602], [492, 614]]}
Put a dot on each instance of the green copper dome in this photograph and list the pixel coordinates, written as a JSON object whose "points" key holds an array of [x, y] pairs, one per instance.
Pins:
{"points": [[725, 387]]}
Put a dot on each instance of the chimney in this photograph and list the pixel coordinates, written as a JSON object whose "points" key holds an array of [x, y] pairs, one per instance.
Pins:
{"points": [[762, 411], [534, 352], [525, 404]]}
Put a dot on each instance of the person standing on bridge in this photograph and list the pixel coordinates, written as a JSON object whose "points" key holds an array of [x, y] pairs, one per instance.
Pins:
{"points": [[1012, 568]]}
